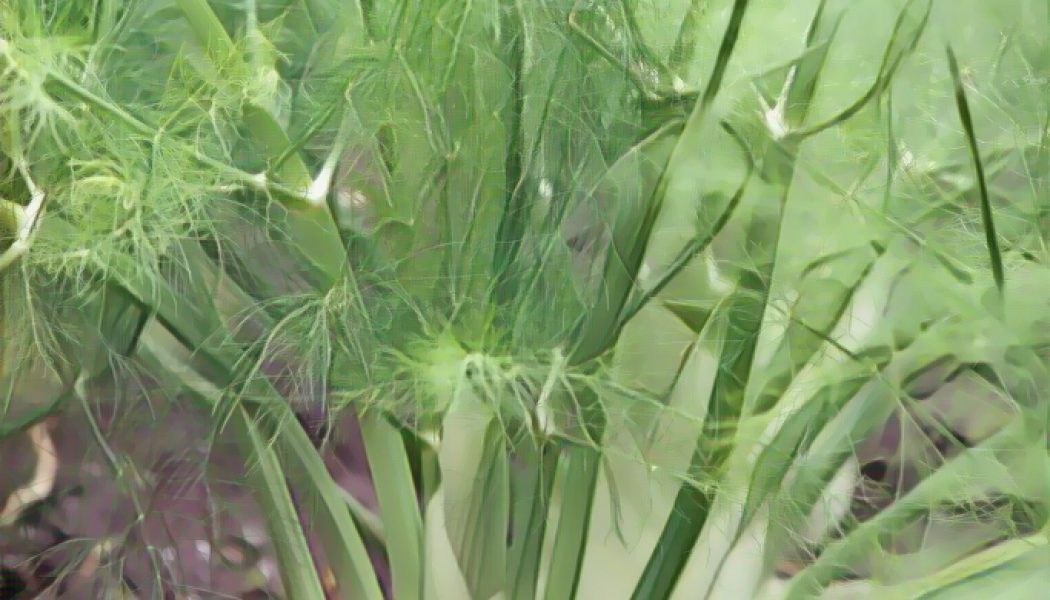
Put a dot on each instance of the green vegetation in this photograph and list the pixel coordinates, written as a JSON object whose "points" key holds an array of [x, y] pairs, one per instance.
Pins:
{"points": [[625, 294]]}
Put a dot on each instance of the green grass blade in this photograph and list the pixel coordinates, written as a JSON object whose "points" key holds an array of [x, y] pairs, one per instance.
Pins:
{"points": [[987, 219], [349, 16], [806, 73], [909, 28], [725, 51]]}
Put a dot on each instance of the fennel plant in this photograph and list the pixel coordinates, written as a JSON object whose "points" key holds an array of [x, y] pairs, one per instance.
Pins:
{"points": [[625, 295]]}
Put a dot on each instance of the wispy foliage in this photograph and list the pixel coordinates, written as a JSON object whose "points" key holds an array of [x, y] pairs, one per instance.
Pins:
{"points": [[626, 287]]}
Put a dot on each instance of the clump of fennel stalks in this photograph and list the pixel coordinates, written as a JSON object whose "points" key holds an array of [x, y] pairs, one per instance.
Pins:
{"points": [[622, 294]]}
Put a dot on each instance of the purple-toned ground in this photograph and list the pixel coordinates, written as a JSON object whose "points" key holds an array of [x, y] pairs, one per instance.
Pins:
{"points": [[200, 534]]}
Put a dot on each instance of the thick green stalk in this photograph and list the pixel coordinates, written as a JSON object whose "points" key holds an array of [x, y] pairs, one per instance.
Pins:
{"points": [[530, 497], [398, 503], [475, 480], [578, 475], [515, 215], [265, 475]]}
